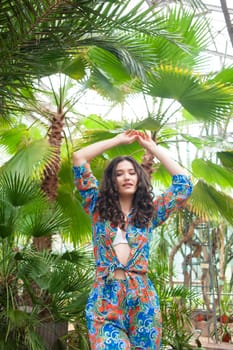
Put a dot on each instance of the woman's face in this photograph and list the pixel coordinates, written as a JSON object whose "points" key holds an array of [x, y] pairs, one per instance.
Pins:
{"points": [[126, 178]]}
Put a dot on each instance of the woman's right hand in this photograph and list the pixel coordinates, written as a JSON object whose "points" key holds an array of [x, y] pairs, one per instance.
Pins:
{"points": [[127, 137]]}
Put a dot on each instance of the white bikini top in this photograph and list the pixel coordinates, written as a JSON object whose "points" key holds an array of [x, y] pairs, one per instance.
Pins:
{"points": [[119, 238]]}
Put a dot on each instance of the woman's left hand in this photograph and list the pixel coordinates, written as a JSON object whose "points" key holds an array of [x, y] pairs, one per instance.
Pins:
{"points": [[145, 140]]}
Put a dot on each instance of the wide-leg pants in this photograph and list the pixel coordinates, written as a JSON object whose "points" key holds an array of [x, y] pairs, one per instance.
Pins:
{"points": [[121, 318]]}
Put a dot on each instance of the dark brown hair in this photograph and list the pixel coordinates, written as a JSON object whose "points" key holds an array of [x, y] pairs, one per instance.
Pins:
{"points": [[108, 203]]}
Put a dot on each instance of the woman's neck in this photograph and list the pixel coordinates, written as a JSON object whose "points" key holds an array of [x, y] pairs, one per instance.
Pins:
{"points": [[126, 205]]}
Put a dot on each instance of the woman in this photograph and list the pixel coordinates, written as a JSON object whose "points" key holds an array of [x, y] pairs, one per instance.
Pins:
{"points": [[123, 308]]}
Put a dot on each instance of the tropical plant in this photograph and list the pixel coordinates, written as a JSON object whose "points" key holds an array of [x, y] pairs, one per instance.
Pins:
{"points": [[104, 29], [111, 67], [46, 37], [36, 288], [175, 306]]}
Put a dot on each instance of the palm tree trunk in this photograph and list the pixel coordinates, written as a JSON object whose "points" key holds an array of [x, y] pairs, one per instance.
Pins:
{"points": [[50, 177]]}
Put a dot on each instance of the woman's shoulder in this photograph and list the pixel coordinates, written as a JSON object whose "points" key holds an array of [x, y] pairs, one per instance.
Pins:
{"points": [[82, 169]]}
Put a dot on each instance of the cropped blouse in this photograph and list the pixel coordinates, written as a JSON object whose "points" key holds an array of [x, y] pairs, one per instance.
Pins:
{"points": [[104, 233]]}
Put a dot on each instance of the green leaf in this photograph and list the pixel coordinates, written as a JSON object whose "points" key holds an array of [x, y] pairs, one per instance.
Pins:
{"points": [[107, 88], [204, 100], [79, 227], [18, 318], [11, 138], [212, 173], [196, 141], [94, 121], [74, 68], [225, 76], [19, 190], [31, 159], [109, 65], [194, 33], [226, 158], [42, 220], [8, 217], [161, 176], [209, 203], [149, 123]]}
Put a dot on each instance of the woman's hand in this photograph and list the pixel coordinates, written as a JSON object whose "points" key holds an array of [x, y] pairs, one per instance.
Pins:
{"points": [[145, 140], [127, 137]]}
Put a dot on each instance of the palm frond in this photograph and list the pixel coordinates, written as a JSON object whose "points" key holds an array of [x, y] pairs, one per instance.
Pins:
{"points": [[82, 258], [224, 76], [99, 82], [203, 99], [203, 141], [35, 265], [161, 177], [150, 123], [209, 203], [19, 190], [31, 159], [42, 220], [79, 228], [213, 174], [11, 138], [34, 38], [8, 216], [226, 158], [194, 31], [93, 122]]}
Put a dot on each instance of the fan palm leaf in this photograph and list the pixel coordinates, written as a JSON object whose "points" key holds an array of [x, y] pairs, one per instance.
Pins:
{"points": [[18, 191], [61, 278], [226, 158], [11, 138], [34, 38], [33, 282], [25, 211], [204, 100], [42, 220], [194, 31], [156, 51], [210, 203], [79, 229], [213, 174], [31, 159]]}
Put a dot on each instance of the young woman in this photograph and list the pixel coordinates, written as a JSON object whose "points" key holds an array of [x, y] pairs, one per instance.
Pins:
{"points": [[123, 308]]}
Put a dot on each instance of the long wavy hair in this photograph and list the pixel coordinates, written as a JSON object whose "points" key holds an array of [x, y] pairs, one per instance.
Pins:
{"points": [[108, 204]]}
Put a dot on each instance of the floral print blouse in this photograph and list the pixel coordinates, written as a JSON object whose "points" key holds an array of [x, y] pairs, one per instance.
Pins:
{"points": [[103, 232]]}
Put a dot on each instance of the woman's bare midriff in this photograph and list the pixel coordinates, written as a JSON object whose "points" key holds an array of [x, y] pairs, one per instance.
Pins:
{"points": [[122, 251]]}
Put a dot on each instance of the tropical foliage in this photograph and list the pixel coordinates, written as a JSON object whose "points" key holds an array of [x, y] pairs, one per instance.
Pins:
{"points": [[36, 288]]}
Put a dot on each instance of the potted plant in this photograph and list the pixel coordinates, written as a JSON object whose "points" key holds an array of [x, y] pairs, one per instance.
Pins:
{"points": [[226, 309], [224, 332]]}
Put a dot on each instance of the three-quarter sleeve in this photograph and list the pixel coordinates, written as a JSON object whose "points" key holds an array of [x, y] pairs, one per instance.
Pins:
{"points": [[173, 198], [87, 185]]}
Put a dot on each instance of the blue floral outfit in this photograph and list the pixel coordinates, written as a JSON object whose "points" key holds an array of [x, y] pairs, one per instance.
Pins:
{"points": [[125, 314]]}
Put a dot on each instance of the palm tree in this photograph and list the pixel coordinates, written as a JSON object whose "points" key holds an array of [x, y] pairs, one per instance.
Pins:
{"points": [[54, 37], [37, 288], [37, 38]]}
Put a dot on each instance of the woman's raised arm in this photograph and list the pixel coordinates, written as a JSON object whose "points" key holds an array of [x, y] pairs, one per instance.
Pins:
{"points": [[87, 153], [145, 140]]}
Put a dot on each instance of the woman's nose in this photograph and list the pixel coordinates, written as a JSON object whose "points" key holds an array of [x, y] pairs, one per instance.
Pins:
{"points": [[126, 176]]}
